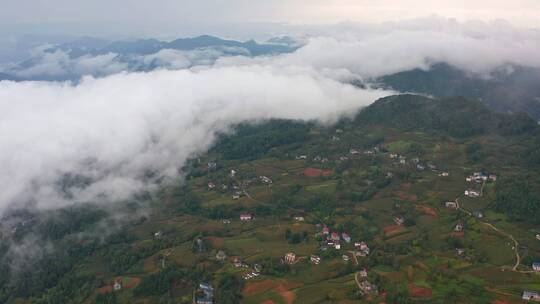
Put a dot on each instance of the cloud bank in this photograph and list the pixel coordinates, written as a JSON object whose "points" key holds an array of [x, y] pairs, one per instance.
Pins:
{"points": [[111, 132]]}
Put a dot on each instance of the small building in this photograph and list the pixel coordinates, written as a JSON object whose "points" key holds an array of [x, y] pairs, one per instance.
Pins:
{"points": [[246, 217], [531, 296], [459, 227], [538, 236], [257, 268], [290, 258], [478, 214], [236, 196], [299, 218], [444, 174], [265, 179], [363, 273], [460, 251], [420, 167], [226, 221], [334, 236], [301, 157], [399, 220], [346, 237], [211, 165], [315, 259], [326, 230], [211, 185], [472, 193], [233, 173], [536, 266], [345, 257], [221, 255], [158, 235], [117, 284], [237, 263], [451, 205]]}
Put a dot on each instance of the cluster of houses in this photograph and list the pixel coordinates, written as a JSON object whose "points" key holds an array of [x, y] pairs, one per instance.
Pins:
{"points": [[366, 288], [254, 272], [333, 240], [206, 294], [481, 177]]}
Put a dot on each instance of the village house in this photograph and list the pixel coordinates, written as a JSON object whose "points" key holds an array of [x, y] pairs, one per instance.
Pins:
{"points": [[211, 185], [354, 151], [346, 237], [299, 218], [326, 230], [451, 205], [315, 259], [363, 273], [236, 195], [345, 257], [460, 251], [478, 214], [368, 288], [158, 235], [237, 263], [208, 294], [290, 258], [420, 167], [257, 268], [472, 193], [531, 296], [334, 236], [538, 236], [393, 155], [301, 157], [432, 166], [233, 173], [416, 160], [444, 174], [221, 255], [246, 217], [117, 284], [459, 227], [363, 249], [399, 220], [403, 161], [226, 221], [211, 165], [337, 245], [536, 266], [265, 179]]}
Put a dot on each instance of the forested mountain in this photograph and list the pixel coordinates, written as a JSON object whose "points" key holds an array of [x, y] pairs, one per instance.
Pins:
{"points": [[249, 219]]}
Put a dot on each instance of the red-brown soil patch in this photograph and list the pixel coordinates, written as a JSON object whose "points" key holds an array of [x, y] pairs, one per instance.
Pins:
{"points": [[287, 295], [314, 172], [131, 282], [404, 196], [419, 292], [392, 229], [458, 234], [500, 302], [268, 302], [428, 211], [253, 288], [217, 242]]}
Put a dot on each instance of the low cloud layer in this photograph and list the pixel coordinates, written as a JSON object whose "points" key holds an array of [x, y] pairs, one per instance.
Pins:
{"points": [[109, 133], [113, 131]]}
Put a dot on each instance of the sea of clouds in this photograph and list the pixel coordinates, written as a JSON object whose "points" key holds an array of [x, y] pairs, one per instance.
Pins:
{"points": [[116, 124]]}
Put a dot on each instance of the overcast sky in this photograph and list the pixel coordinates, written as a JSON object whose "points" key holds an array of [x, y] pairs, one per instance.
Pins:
{"points": [[169, 18]]}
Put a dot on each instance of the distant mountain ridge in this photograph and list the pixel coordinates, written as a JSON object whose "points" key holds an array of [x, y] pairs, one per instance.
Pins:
{"points": [[513, 89], [149, 46]]}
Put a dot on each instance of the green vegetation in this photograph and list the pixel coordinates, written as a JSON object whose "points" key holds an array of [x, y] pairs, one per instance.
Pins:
{"points": [[164, 244]]}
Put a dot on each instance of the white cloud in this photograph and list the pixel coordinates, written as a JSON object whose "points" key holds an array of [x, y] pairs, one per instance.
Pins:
{"points": [[116, 128]]}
